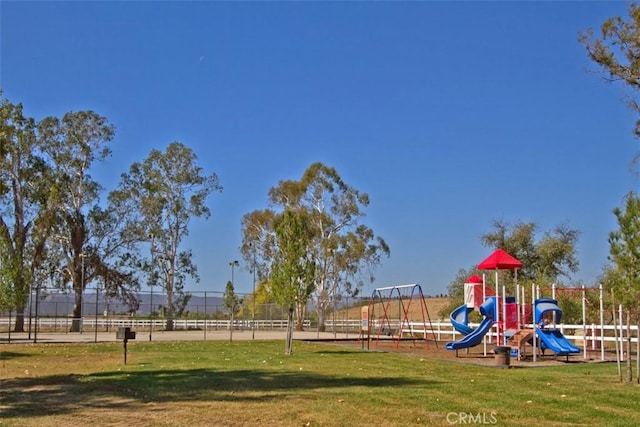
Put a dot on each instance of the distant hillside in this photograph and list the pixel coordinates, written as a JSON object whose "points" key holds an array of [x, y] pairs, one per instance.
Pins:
{"points": [[434, 305], [59, 304]]}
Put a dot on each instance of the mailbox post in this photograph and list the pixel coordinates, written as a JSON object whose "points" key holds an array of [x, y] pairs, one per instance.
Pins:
{"points": [[125, 334]]}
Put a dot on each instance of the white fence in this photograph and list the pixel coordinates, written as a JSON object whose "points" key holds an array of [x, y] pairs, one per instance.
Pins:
{"points": [[441, 329], [591, 336]]}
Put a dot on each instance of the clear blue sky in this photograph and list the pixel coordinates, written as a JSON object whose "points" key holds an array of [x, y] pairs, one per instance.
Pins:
{"points": [[449, 114]]}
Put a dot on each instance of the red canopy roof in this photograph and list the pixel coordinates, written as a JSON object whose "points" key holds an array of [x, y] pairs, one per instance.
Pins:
{"points": [[474, 279], [499, 260]]}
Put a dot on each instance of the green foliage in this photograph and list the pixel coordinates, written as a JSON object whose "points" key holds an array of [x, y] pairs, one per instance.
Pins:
{"points": [[617, 51], [455, 291], [294, 267], [26, 207], [87, 240], [547, 259], [230, 300], [625, 252], [158, 197], [571, 306], [345, 250]]}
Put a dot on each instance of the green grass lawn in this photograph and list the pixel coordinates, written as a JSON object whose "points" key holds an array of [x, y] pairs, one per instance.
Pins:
{"points": [[254, 383]]}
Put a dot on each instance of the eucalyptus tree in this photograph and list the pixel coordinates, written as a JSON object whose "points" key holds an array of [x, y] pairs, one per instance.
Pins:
{"points": [[164, 192], [25, 208], [345, 250], [86, 237], [625, 254], [294, 267]]}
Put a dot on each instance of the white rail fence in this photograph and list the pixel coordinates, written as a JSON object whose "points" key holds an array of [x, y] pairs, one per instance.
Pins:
{"points": [[441, 330]]}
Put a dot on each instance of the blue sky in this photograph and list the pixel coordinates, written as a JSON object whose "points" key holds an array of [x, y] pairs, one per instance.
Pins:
{"points": [[449, 114]]}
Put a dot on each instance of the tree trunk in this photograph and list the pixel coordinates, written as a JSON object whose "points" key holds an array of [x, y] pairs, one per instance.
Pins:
{"points": [[231, 329], [322, 315], [300, 313], [21, 306], [289, 342], [18, 325], [169, 324], [629, 366], [76, 320]]}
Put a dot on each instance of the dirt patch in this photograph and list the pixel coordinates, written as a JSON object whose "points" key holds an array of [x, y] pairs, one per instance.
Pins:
{"points": [[474, 356]]}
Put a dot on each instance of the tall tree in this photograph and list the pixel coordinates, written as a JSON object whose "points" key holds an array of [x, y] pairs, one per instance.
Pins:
{"points": [[25, 209], [616, 49], [74, 143], [549, 258], [294, 267], [346, 251], [625, 254], [165, 191]]}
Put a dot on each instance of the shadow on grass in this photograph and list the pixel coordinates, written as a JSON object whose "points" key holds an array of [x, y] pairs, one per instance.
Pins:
{"points": [[6, 355], [60, 394]]}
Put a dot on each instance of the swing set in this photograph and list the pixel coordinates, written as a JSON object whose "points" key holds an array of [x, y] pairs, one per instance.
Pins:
{"points": [[391, 314]]}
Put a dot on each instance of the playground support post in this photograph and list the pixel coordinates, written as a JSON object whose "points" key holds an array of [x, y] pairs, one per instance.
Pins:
{"points": [[484, 296], [615, 334], [621, 323], [535, 335], [518, 323], [584, 323], [497, 310], [504, 315], [601, 323]]}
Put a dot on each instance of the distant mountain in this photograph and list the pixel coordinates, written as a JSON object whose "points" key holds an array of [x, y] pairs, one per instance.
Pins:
{"points": [[61, 304]]}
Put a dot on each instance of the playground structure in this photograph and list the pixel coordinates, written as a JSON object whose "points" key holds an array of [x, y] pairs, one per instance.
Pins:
{"points": [[523, 329], [515, 323], [379, 318]]}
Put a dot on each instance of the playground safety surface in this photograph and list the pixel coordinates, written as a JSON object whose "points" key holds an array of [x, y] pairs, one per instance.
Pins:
{"points": [[475, 355]]}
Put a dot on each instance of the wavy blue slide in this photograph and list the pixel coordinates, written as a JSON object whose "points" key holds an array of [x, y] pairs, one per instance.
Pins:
{"points": [[460, 319], [475, 337]]}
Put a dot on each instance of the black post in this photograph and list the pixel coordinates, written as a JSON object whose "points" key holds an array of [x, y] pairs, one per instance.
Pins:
{"points": [[30, 310], [95, 336], [125, 334], [35, 330], [151, 314]]}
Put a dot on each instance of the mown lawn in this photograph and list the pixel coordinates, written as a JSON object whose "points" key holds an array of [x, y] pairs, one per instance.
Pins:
{"points": [[253, 383]]}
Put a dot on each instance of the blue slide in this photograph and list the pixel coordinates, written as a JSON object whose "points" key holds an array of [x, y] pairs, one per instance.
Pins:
{"points": [[460, 319], [475, 337], [556, 342], [552, 338]]}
